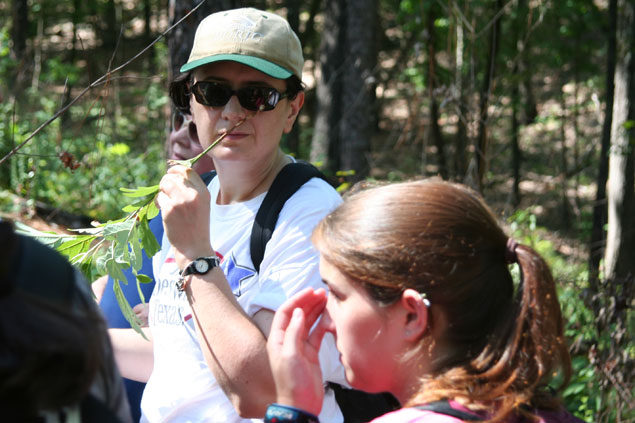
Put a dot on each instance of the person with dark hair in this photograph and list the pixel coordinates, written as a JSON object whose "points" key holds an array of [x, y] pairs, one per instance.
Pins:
{"points": [[56, 361], [212, 305], [422, 304]]}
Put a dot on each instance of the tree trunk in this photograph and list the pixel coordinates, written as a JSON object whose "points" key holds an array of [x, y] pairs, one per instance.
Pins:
{"points": [[325, 141], [564, 166], [306, 37], [517, 84], [358, 83], [181, 39], [596, 250], [292, 139], [147, 35], [19, 28], [515, 128], [524, 66], [435, 130], [460, 162], [19, 36], [619, 258], [110, 32], [482, 137]]}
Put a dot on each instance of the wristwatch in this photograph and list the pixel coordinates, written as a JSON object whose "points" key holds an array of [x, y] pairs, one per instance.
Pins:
{"points": [[200, 266]]}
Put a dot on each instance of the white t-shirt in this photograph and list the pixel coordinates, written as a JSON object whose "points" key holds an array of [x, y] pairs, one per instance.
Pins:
{"points": [[182, 388]]}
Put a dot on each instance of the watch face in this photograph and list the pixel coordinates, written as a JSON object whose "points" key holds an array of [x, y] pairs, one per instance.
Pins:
{"points": [[201, 266]]}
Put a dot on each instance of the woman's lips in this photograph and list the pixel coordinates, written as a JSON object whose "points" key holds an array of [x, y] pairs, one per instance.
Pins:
{"points": [[232, 136]]}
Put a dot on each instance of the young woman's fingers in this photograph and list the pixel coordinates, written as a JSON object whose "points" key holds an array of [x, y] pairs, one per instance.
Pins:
{"points": [[313, 312], [315, 338], [296, 334], [305, 299], [283, 316]]}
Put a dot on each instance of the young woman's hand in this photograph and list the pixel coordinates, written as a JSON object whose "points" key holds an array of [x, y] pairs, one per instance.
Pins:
{"points": [[293, 351]]}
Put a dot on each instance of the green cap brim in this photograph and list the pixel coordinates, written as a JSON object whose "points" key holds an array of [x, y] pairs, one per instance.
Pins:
{"points": [[264, 66]]}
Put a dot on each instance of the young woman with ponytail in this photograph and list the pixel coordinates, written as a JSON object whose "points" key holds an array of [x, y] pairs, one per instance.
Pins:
{"points": [[422, 304]]}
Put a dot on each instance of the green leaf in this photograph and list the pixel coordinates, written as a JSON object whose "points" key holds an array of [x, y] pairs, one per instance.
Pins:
{"points": [[119, 230], [79, 245], [51, 239], [130, 208], [126, 310], [153, 211], [140, 191], [144, 278], [141, 202], [148, 240], [136, 254], [100, 263], [115, 269]]}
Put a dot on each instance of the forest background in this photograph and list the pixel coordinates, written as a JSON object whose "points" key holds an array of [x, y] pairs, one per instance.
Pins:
{"points": [[531, 102]]}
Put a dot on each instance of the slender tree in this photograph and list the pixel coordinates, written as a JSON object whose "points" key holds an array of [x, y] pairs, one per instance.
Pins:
{"points": [[325, 141], [596, 249], [435, 129], [358, 82], [461, 142], [19, 28], [619, 258], [488, 77], [180, 40]]}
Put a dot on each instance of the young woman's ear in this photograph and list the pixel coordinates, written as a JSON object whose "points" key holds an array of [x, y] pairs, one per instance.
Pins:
{"points": [[417, 314]]}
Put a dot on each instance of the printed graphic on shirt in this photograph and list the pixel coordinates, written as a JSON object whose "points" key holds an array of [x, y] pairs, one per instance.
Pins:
{"points": [[237, 274]]}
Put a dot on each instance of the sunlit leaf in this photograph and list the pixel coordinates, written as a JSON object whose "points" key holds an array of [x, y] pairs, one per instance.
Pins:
{"points": [[78, 245], [153, 211], [136, 253], [140, 191], [126, 310], [144, 278], [148, 240]]}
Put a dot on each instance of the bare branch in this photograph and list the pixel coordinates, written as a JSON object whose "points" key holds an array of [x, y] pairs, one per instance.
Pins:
{"points": [[94, 84]]}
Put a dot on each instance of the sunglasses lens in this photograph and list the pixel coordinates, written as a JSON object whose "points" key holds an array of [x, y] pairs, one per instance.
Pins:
{"points": [[177, 121], [253, 98], [211, 93], [215, 94]]}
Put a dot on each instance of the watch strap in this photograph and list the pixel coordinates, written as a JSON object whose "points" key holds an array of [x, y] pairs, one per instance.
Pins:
{"points": [[191, 269]]}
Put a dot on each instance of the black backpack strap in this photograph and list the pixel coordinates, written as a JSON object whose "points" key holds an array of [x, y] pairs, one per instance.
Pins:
{"points": [[287, 182], [208, 176], [443, 407], [361, 407]]}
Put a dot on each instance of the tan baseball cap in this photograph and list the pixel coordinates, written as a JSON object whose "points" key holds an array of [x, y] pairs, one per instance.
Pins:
{"points": [[262, 40]]}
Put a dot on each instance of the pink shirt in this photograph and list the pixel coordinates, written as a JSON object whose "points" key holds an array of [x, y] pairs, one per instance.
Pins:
{"points": [[414, 415]]}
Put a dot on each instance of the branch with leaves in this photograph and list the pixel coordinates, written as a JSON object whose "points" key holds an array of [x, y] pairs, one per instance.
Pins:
{"points": [[115, 246]]}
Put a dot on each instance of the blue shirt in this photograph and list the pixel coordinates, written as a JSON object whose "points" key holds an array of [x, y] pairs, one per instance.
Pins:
{"points": [[115, 318]]}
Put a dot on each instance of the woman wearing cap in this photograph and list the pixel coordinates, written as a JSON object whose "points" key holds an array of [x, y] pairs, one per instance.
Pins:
{"points": [[422, 304], [209, 361]]}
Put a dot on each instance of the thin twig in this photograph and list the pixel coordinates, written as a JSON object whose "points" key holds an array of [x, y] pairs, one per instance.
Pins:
{"points": [[94, 84]]}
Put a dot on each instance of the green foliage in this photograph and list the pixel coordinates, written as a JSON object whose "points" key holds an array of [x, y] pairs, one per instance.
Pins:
{"points": [[584, 395], [111, 248]]}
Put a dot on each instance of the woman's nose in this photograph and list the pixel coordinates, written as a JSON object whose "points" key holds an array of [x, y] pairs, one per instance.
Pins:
{"points": [[326, 321], [233, 110]]}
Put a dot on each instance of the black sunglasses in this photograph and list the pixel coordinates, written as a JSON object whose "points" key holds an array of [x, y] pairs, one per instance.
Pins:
{"points": [[179, 119], [217, 94]]}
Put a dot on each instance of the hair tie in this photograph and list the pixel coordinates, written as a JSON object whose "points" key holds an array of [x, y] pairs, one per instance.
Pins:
{"points": [[510, 251]]}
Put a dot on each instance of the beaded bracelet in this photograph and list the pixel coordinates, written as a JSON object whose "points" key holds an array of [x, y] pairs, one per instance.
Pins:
{"points": [[278, 413]]}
